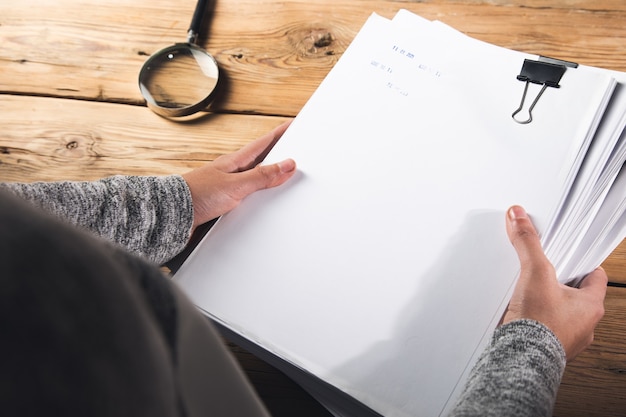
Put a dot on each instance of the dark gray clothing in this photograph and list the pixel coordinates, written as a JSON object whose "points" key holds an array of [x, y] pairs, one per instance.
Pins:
{"points": [[91, 330], [70, 292]]}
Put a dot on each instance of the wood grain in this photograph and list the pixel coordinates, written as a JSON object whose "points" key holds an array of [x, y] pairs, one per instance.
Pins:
{"points": [[615, 266], [71, 109], [93, 50], [593, 384], [48, 139]]}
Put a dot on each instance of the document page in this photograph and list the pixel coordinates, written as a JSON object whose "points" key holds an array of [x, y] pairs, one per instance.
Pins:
{"points": [[383, 266]]}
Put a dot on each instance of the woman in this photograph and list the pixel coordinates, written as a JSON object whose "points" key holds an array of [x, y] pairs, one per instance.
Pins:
{"points": [[90, 328]]}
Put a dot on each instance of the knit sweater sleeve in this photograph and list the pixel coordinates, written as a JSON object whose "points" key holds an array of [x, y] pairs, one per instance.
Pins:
{"points": [[149, 216], [518, 374]]}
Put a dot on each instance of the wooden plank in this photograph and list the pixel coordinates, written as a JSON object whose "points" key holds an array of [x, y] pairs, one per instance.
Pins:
{"points": [[545, 4], [93, 50], [615, 266], [593, 384], [50, 139]]}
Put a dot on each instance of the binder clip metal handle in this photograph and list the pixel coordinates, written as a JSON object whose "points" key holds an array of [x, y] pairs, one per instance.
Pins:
{"points": [[537, 72]]}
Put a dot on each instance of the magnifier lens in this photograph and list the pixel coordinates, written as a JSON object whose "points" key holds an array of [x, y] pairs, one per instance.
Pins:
{"points": [[179, 79]]}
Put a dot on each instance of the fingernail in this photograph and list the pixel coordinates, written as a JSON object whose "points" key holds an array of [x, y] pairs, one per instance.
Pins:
{"points": [[517, 212], [287, 165]]}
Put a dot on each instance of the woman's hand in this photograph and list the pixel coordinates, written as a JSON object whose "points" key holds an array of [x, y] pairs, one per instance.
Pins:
{"points": [[571, 313], [219, 186]]}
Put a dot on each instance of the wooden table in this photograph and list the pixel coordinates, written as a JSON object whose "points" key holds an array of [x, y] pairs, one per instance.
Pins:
{"points": [[71, 108]]}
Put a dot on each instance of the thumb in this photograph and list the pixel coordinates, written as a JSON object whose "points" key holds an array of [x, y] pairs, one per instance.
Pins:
{"points": [[264, 176], [595, 283], [525, 239], [251, 154]]}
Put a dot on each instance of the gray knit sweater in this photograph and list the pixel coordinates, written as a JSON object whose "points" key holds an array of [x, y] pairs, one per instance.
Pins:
{"points": [[149, 216], [518, 374]]}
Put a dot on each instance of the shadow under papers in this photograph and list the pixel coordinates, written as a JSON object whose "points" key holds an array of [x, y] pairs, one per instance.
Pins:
{"points": [[440, 330]]}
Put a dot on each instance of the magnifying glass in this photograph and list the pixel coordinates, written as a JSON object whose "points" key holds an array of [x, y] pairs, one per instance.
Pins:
{"points": [[180, 79]]}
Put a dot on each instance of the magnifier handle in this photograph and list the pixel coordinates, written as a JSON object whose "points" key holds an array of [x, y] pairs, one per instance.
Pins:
{"points": [[196, 21]]}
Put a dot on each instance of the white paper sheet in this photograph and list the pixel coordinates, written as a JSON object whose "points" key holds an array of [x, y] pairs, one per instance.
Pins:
{"points": [[383, 266]]}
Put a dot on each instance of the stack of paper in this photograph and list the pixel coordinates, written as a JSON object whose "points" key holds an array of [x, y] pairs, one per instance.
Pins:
{"points": [[378, 273]]}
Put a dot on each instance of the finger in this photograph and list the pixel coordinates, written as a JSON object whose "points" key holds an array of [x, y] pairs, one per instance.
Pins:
{"points": [[258, 149], [253, 153], [524, 237], [595, 283], [263, 176]]}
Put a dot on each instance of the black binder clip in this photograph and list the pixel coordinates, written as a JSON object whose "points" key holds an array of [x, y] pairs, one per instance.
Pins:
{"points": [[545, 71]]}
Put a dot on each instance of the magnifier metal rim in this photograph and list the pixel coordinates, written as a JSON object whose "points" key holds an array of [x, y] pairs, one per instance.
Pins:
{"points": [[176, 111]]}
